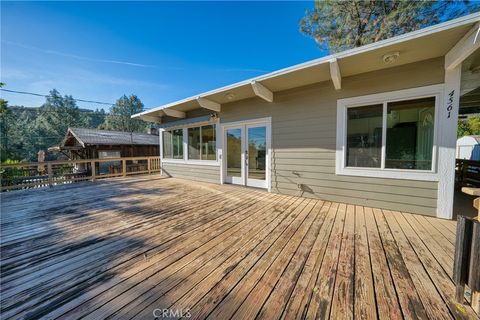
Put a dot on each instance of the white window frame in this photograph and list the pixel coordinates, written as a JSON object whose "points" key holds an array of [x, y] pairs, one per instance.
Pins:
{"points": [[185, 159], [267, 122], [384, 98]]}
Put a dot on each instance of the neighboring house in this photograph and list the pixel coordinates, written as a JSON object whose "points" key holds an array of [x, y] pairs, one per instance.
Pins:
{"points": [[373, 126], [80, 143], [468, 148]]}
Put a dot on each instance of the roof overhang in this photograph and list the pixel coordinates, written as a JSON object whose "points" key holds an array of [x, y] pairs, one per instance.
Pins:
{"points": [[70, 134], [432, 42], [185, 122]]}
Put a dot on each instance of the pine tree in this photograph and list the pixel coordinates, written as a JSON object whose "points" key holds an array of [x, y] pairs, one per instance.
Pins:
{"points": [[337, 25], [120, 114]]}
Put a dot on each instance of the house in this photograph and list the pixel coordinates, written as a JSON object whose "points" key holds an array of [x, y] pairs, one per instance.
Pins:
{"points": [[80, 143], [374, 125], [468, 148]]}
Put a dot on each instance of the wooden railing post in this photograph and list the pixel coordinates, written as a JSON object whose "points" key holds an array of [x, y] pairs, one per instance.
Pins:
{"points": [[474, 270], [124, 167], [462, 256], [94, 173], [50, 175], [149, 165]]}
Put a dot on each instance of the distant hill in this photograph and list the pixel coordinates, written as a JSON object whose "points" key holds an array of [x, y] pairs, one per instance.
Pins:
{"points": [[26, 130], [96, 117]]}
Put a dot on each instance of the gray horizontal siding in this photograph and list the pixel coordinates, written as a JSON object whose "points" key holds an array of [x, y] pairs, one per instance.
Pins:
{"points": [[204, 173], [389, 205], [304, 143]]}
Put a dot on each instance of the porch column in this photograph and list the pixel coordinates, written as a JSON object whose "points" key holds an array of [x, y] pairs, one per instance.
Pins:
{"points": [[447, 141]]}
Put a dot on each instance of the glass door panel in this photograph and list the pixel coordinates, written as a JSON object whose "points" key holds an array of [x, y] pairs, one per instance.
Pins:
{"points": [[257, 148], [234, 155], [257, 156], [246, 158]]}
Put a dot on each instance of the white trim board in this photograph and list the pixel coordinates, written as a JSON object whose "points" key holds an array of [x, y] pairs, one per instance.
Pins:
{"points": [[192, 162], [448, 142], [381, 98]]}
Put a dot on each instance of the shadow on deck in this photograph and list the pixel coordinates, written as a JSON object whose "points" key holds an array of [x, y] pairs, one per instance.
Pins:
{"points": [[144, 246]]}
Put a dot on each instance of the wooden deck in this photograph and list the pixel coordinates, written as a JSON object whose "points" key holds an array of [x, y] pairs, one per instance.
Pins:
{"points": [[127, 248]]}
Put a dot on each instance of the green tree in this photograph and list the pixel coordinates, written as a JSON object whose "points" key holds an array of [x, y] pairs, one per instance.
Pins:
{"points": [[5, 119], [120, 114], [95, 118], [3, 102], [53, 118], [469, 127], [337, 25]]}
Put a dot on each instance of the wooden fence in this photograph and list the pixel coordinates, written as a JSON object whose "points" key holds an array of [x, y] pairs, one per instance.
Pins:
{"points": [[27, 175]]}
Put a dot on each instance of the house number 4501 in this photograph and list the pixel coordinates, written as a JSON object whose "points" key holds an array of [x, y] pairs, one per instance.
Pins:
{"points": [[450, 103]]}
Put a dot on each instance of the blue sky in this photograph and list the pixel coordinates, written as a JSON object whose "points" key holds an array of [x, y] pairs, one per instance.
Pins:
{"points": [[161, 51]]}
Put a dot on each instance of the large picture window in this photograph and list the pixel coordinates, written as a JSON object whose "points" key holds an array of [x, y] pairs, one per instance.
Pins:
{"points": [[410, 132], [388, 135], [200, 142], [409, 135], [364, 136], [173, 144], [194, 143], [208, 142]]}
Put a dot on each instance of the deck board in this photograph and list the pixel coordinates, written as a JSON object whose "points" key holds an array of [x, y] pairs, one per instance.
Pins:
{"points": [[121, 248]]}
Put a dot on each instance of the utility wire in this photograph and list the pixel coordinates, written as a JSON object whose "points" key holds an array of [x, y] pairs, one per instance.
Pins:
{"points": [[49, 95]]}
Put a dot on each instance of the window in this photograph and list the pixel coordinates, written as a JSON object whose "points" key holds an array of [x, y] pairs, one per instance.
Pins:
{"points": [[389, 135], [173, 144], [200, 142], [108, 154], [409, 135], [194, 143], [364, 136], [409, 142], [209, 149]]}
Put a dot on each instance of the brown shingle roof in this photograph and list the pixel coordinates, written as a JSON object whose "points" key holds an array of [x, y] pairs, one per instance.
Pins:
{"points": [[99, 137]]}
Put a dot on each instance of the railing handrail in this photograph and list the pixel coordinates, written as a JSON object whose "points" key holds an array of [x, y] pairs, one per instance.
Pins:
{"points": [[30, 164], [54, 172]]}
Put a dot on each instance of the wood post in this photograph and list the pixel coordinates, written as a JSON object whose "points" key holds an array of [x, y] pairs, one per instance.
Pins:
{"points": [[462, 255], [124, 167], [474, 270], [94, 173], [50, 175], [149, 165]]}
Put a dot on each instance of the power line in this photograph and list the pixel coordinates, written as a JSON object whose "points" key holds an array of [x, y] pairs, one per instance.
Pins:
{"points": [[84, 113], [75, 99], [49, 95]]}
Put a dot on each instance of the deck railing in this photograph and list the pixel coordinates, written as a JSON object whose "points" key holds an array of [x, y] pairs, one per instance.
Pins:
{"points": [[467, 172], [466, 267], [25, 175]]}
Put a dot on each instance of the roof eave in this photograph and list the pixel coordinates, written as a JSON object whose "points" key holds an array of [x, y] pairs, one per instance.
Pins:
{"points": [[469, 19]]}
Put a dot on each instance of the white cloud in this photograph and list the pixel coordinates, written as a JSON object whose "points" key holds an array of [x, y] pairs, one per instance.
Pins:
{"points": [[74, 56]]}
